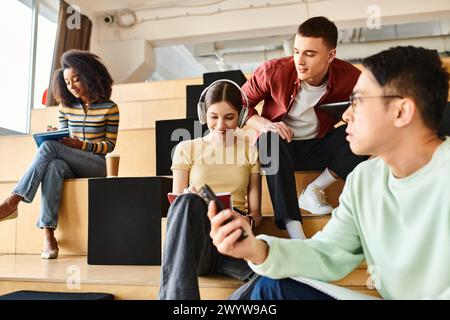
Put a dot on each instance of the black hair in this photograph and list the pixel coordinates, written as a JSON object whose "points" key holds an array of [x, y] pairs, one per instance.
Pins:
{"points": [[320, 27], [92, 74], [416, 73]]}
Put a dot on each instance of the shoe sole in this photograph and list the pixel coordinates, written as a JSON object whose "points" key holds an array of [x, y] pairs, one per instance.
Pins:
{"points": [[313, 213], [12, 215], [50, 255]]}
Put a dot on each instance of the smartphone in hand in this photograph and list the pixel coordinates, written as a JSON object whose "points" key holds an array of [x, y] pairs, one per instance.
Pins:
{"points": [[208, 195]]}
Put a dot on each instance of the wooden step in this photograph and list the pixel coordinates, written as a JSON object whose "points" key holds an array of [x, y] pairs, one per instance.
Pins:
{"points": [[29, 272], [137, 149], [17, 154], [140, 104], [155, 90], [133, 115], [311, 225], [21, 236], [302, 179]]}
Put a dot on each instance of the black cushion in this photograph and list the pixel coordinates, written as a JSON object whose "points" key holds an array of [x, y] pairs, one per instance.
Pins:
{"points": [[125, 220], [193, 93], [234, 75], [168, 134], [42, 295]]}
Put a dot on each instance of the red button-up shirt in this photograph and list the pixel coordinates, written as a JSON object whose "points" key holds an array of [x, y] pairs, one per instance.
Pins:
{"points": [[276, 82]]}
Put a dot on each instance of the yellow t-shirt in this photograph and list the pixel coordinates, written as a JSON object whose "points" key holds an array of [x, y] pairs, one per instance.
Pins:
{"points": [[224, 168]]}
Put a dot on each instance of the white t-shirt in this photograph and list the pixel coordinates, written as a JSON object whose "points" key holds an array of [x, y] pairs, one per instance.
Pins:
{"points": [[302, 118]]}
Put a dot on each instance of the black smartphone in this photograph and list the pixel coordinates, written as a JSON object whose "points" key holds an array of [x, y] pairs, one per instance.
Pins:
{"points": [[208, 195]]}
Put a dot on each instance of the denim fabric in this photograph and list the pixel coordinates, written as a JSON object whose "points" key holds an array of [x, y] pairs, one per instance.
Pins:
{"points": [[189, 251], [285, 289], [53, 163], [244, 292]]}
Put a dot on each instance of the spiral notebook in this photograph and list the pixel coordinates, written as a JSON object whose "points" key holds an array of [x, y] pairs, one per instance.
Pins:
{"points": [[50, 135]]}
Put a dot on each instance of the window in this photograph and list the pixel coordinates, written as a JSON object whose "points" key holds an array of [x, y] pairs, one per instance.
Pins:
{"points": [[15, 27], [16, 32], [47, 27]]}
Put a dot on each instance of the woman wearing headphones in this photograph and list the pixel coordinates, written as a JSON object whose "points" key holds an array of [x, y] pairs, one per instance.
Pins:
{"points": [[225, 160]]}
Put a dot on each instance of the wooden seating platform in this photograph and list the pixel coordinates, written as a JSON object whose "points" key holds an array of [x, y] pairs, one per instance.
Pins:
{"points": [[73, 274], [140, 105]]}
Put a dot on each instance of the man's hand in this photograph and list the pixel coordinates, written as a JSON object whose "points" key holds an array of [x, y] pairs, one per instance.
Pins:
{"points": [[225, 236], [72, 142], [281, 128]]}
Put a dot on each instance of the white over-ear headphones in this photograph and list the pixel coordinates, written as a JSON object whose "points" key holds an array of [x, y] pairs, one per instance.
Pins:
{"points": [[201, 105]]}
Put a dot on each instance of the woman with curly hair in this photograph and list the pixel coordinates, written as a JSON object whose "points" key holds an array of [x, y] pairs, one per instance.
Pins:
{"points": [[83, 88]]}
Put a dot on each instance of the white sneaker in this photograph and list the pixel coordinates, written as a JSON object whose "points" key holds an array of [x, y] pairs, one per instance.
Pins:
{"points": [[313, 199]]}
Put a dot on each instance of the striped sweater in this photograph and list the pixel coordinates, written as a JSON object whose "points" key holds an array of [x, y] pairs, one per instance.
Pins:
{"points": [[97, 128]]}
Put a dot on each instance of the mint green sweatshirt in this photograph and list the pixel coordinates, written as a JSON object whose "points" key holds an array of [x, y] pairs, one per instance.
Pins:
{"points": [[401, 227]]}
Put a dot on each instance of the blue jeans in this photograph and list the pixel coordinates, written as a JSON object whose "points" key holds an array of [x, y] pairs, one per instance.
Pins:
{"points": [[189, 251], [285, 289], [53, 163]]}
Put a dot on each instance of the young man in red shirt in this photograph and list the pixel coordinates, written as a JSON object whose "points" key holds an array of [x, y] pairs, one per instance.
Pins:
{"points": [[292, 88]]}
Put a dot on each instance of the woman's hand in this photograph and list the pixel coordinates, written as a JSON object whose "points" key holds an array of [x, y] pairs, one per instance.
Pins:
{"points": [[190, 189], [51, 128], [72, 142]]}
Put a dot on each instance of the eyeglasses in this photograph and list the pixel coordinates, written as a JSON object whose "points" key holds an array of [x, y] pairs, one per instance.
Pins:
{"points": [[354, 100]]}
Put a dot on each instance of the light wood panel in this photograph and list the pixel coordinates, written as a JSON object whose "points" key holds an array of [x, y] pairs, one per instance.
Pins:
{"points": [[129, 292], [7, 227], [29, 272], [72, 226], [311, 225], [143, 114], [17, 154], [133, 115], [137, 150], [22, 272], [21, 236], [157, 90]]}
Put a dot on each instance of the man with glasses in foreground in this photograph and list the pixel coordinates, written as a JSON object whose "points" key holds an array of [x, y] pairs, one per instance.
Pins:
{"points": [[394, 211]]}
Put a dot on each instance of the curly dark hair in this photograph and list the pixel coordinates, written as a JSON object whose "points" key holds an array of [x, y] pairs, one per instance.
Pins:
{"points": [[91, 72], [224, 91], [416, 73], [320, 27]]}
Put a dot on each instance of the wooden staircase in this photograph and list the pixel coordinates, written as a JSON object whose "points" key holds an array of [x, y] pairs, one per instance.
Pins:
{"points": [[140, 105]]}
